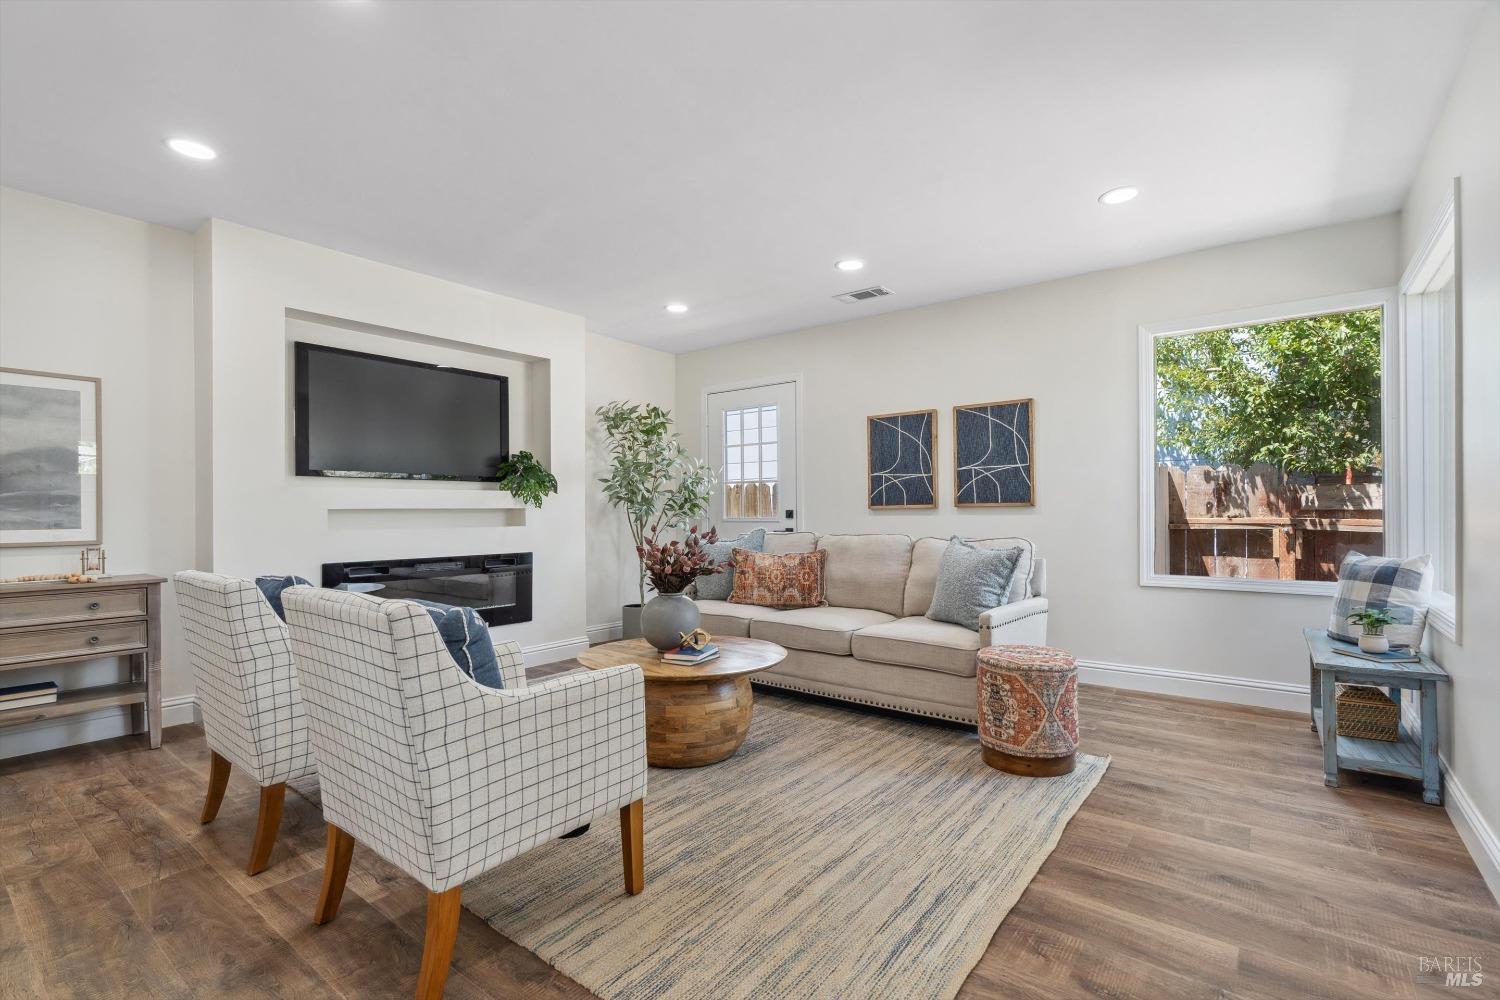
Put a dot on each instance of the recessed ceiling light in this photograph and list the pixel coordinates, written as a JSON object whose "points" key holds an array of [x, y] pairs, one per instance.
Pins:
{"points": [[1118, 196], [191, 148], [676, 307], [850, 265]]}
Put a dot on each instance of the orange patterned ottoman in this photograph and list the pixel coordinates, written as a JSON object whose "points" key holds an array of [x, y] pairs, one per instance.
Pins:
{"points": [[1028, 709]]}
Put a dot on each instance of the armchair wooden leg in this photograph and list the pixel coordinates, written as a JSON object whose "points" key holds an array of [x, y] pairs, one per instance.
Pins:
{"points": [[335, 874], [218, 780], [266, 825], [437, 951], [632, 846]]}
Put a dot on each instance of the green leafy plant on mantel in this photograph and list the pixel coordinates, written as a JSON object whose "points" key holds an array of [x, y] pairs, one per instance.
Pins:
{"points": [[652, 478], [526, 479]]}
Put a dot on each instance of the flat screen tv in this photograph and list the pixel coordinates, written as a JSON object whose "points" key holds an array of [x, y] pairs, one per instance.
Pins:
{"points": [[366, 416]]}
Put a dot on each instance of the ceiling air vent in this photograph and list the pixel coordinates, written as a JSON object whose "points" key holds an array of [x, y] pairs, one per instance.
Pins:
{"points": [[863, 294]]}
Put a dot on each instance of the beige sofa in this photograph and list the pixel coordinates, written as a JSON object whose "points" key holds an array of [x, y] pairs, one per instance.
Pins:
{"points": [[873, 644]]}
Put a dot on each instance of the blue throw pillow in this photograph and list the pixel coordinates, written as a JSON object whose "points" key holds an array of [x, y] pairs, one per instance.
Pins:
{"points": [[272, 586], [468, 640], [718, 586]]}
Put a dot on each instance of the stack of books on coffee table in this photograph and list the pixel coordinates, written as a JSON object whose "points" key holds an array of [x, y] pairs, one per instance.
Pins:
{"points": [[688, 655]]}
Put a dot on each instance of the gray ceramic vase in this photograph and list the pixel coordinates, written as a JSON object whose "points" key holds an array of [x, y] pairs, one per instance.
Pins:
{"points": [[665, 617]]}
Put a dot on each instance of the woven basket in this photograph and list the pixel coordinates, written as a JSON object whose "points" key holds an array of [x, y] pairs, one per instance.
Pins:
{"points": [[1367, 713]]}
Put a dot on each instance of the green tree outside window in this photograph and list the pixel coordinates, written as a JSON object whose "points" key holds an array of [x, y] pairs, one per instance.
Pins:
{"points": [[1302, 394]]}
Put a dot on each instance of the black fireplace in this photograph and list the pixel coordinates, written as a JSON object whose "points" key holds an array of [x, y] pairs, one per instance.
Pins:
{"points": [[497, 586]]}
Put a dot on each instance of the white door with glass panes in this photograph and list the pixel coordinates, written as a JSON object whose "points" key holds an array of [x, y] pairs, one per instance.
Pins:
{"points": [[752, 445]]}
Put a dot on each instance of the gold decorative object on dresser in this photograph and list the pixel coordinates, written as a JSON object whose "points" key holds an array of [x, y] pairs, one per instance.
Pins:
{"points": [[57, 623]]}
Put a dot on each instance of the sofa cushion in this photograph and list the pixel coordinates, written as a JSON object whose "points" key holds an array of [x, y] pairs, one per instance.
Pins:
{"points": [[919, 641], [866, 571], [723, 618], [927, 553], [779, 543], [818, 630]]}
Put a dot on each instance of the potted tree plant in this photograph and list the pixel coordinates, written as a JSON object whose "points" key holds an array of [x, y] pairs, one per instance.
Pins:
{"points": [[671, 566], [1373, 621], [653, 479]]}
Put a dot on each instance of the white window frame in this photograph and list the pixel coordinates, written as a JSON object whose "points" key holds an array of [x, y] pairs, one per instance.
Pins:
{"points": [[1382, 298], [1435, 259]]}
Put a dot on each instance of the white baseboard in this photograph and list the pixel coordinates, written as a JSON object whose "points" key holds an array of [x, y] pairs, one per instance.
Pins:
{"points": [[1477, 835], [607, 632], [180, 710], [551, 652], [1187, 684]]}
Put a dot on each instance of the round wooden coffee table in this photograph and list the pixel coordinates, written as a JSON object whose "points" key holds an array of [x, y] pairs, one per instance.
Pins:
{"points": [[695, 715]]}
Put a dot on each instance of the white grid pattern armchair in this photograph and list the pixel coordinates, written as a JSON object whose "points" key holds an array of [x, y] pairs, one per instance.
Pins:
{"points": [[445, 778], [247, 694]]}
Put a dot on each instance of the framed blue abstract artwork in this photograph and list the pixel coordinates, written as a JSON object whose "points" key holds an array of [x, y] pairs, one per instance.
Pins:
{"points": [[993, 461], [902, 453]]}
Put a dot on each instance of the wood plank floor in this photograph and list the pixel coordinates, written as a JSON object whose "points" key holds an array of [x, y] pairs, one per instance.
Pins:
{"points": [[1211, 862]]}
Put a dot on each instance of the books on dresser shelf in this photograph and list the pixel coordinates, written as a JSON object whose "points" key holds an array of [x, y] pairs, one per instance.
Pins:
{"points": [[681, 655], [27, 695]]}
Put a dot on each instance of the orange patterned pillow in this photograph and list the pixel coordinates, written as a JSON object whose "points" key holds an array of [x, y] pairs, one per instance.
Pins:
{"points": [[794, 580]]}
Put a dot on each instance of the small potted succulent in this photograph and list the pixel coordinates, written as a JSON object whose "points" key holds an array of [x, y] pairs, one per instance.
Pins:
{"points": [[1373, 621], [672, 567]]}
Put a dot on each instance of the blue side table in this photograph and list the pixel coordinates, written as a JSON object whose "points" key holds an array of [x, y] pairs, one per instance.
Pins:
{"points": [[1413, 755]]}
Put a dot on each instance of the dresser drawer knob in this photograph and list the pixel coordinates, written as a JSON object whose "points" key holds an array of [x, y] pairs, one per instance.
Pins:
{"points": [[93, 640], [93, 605]]}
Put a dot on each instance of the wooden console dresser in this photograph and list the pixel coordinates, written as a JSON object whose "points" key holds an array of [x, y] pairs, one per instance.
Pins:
{"points": [[56, 624]]}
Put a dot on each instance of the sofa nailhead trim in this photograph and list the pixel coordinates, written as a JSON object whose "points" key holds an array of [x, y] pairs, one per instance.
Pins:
{"points": [[866, 701], [1012, 621]]}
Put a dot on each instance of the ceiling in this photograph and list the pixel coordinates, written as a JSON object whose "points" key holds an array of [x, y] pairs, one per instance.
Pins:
{"points": [[607, 158]]}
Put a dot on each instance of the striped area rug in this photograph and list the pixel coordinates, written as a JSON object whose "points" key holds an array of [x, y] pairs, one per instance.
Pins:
{"points": [[840, 853]]}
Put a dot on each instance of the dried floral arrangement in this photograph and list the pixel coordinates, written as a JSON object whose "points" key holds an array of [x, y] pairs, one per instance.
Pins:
{"points": [[672, 566]]}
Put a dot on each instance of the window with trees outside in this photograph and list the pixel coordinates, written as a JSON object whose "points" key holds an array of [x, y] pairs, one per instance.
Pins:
{"points": [[1263, 455]]}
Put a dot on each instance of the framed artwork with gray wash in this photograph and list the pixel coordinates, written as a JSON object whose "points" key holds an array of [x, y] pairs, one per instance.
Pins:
{"points": [[901, 460], [51, 492], [994, 464]]}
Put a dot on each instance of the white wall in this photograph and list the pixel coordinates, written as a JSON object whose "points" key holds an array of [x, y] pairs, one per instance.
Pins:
{"points": [[614, 370], [266, 519], [87, 293], [1071, 344], [1466, 144]]}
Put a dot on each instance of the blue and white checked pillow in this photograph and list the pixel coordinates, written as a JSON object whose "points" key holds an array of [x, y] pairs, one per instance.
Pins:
{"points": [[1400, 586]]}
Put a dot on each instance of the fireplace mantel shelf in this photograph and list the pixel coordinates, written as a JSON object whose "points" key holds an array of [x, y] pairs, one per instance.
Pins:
{"points": [[417, 496]]}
